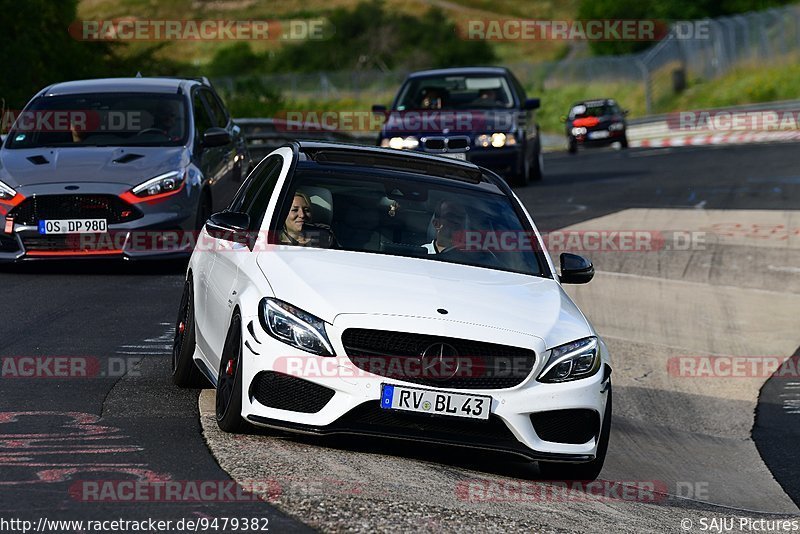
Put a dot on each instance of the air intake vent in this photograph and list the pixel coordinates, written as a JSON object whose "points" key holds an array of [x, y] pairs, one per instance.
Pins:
{"points": [[566, 426], [127, 158], [284, 392], [38, 160]]}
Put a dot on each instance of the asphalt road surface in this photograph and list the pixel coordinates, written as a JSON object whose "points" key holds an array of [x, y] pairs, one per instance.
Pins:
{"points": [[720, 280]]}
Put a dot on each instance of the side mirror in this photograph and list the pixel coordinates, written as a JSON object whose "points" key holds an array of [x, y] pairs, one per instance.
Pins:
{"points": [[532, 103], [377, 108], [575, 269], [625, 111], [216, 137], [563, 118], [229, 226]]}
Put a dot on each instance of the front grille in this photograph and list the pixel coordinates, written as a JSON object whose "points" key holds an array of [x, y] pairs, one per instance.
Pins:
{"points": [[566, 426], [284, 392], [438, 361], [47, 207], [435, 143], [73, 243], [460, 142], [457, 143]]}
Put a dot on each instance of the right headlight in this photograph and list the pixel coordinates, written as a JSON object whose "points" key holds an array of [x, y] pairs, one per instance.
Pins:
{"points": [[496, 140], [401, 143], [572, 361], [169, 182], [294, 327], [6, 191], [578, 130]]}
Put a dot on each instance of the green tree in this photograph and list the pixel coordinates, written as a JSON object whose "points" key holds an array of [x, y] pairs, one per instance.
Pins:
{"points": [[663, 11], [370, 37], [237, 59], [38, 50]]}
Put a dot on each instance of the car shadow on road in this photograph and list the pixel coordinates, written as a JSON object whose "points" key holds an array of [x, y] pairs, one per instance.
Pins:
{"points": [[486, 462]]}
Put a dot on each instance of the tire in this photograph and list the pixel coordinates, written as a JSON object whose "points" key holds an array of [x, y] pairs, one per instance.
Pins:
{"points": [[536, 169], [229, 381], [624, 143], [572, 146], [185, 373], [586, 471], [520, 176]]}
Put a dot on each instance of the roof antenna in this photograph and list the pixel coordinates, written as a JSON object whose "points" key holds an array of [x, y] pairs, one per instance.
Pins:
{"points": [[138, 74]]}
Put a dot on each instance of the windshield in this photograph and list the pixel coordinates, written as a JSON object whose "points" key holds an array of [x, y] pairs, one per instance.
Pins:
{"points": [[407, 215], [590, 110], [455, 92], [105, 119]]}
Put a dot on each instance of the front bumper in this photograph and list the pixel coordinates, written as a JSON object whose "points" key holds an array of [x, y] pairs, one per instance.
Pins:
{"points": [[614, 136], [350, 396], [152, 238], [505, 161], [159, 230]]}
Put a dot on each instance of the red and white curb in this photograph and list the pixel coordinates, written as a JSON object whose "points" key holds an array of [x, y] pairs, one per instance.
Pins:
{"points": [[737, 138]]}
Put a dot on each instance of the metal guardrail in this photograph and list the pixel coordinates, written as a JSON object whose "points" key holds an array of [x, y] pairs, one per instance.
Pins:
{"points": [[781, 105], [658, 125]]}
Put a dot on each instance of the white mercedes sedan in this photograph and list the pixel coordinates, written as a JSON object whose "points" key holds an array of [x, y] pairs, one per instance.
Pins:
{"points": [[360, 290]]}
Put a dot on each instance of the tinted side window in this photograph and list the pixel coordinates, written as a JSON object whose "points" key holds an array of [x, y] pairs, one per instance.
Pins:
{"points": [[254, 196], [202, 121], [217, 110], [520, 90]]}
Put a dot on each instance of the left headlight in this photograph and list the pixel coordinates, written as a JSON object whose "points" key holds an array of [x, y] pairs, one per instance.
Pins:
{"points": [[163, 183], [572, 361], [615, 126], [294, 326], [497, 140], [401, 143], [6, 191]]}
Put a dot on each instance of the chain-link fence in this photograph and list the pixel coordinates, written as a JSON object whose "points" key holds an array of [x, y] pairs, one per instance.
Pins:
{"points": [[700, 49]]}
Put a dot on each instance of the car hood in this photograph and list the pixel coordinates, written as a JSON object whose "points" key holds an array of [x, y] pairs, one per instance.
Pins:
{"points": [[328, 283], [129, 166], [433, 122]]}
